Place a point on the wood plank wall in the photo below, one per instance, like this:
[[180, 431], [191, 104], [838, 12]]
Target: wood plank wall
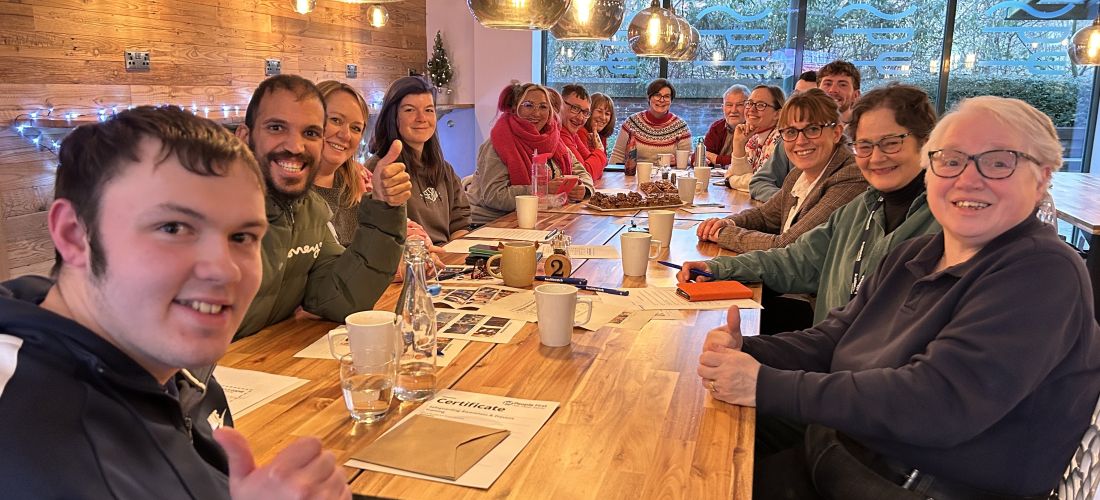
[[68, 55]]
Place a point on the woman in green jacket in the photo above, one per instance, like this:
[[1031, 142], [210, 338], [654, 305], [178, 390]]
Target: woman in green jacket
[[889, 126]]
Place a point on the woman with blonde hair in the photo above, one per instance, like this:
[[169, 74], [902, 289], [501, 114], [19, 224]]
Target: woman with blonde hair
[[340, 177]]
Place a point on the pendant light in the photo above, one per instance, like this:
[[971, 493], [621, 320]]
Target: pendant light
[[1084, 49], [652, 32], [687, 44], [590, 20], [377, 16], [304, 7], [518, 14]]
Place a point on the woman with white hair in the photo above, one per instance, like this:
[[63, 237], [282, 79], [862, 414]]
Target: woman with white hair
[[966, 366]]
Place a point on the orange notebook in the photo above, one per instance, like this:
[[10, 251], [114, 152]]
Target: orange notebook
[[713, 290]]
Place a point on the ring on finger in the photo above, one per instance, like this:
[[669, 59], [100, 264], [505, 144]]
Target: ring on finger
[[710, 385]]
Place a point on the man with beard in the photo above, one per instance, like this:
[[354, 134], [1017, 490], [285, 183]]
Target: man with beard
[[302, 262], [839, 80]]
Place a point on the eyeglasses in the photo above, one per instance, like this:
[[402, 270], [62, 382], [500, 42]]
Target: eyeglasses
[[890, 144], [529, 106], [661, 97], [577, 110], [758, 105], [993, 164], [812, 131]]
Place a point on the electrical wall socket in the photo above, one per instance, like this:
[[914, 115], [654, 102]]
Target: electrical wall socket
[[137, 60], [352, 71], [272, 67]]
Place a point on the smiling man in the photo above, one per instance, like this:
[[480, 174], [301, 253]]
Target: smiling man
[[154, 272], [586, 148], [719, 138], [303, 263]]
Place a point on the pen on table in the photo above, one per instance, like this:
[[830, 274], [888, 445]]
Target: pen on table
[[568, 281], [719, 205], [612, 291], [677, 266], [552, 234]]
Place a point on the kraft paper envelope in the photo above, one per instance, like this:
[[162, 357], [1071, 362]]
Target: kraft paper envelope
[[433, 446]]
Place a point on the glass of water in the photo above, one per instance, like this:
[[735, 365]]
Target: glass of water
[[367, 377]]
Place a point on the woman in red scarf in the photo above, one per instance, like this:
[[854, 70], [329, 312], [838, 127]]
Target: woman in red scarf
[[527, 124]]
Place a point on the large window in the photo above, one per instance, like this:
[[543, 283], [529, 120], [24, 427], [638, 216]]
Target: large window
[[998, 47]]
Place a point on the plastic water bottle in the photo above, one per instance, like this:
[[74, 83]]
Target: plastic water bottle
[[1047, 213], [416, 315]]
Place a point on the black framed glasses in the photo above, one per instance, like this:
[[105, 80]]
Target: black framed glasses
[[662, 97], [889, 145], [758, 105], [992, 164], [577, 110], [812, 131]]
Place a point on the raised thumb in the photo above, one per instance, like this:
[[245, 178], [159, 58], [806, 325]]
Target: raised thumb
[[733, 319], [393, 154], [239, 454]]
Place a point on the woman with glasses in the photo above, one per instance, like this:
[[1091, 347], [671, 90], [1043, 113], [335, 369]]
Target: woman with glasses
[[438, 202], [657, 130], [890, 125], [527, 125], [966, 366], [825, 178], [602, 122], [754, 140]]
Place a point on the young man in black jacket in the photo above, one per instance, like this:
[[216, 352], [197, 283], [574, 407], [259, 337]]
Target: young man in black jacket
[[154, 272]]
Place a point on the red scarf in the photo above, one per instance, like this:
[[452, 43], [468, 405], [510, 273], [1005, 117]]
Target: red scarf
[[516, 140]]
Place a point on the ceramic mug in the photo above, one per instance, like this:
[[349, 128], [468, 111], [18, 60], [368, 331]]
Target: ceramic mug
[[516, 262]]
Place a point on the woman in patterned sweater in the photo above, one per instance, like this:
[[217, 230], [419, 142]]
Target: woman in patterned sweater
[[657, 130]]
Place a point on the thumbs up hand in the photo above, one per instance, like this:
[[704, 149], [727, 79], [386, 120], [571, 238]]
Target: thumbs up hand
[[301, 470], [392, 183]]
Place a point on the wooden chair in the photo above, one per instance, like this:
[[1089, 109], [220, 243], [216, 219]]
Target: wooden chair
[[1083, 473]]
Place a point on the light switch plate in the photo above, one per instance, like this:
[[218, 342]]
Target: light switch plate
[[272, 67], [352, 71], [137, 60]]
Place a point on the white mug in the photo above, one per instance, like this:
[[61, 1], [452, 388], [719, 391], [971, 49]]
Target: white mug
[[557, 312], [645, 172], [686, 186], [702, 177], [683, 158], [365, 330], [660, 226], [527, 210], [637, 250], [664, 159]]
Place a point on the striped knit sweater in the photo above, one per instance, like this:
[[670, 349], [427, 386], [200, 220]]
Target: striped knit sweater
[[651, 137]]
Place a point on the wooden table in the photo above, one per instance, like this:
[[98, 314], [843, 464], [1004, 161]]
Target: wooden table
[[1077, 198], [634, 421]]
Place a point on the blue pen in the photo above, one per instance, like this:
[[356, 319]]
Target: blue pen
[[568, 281], [693, 271], [602, 289]]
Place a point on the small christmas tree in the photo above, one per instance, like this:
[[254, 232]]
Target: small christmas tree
[[439, 67]]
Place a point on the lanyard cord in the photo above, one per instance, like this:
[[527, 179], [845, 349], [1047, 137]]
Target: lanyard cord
[[857, 276]]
